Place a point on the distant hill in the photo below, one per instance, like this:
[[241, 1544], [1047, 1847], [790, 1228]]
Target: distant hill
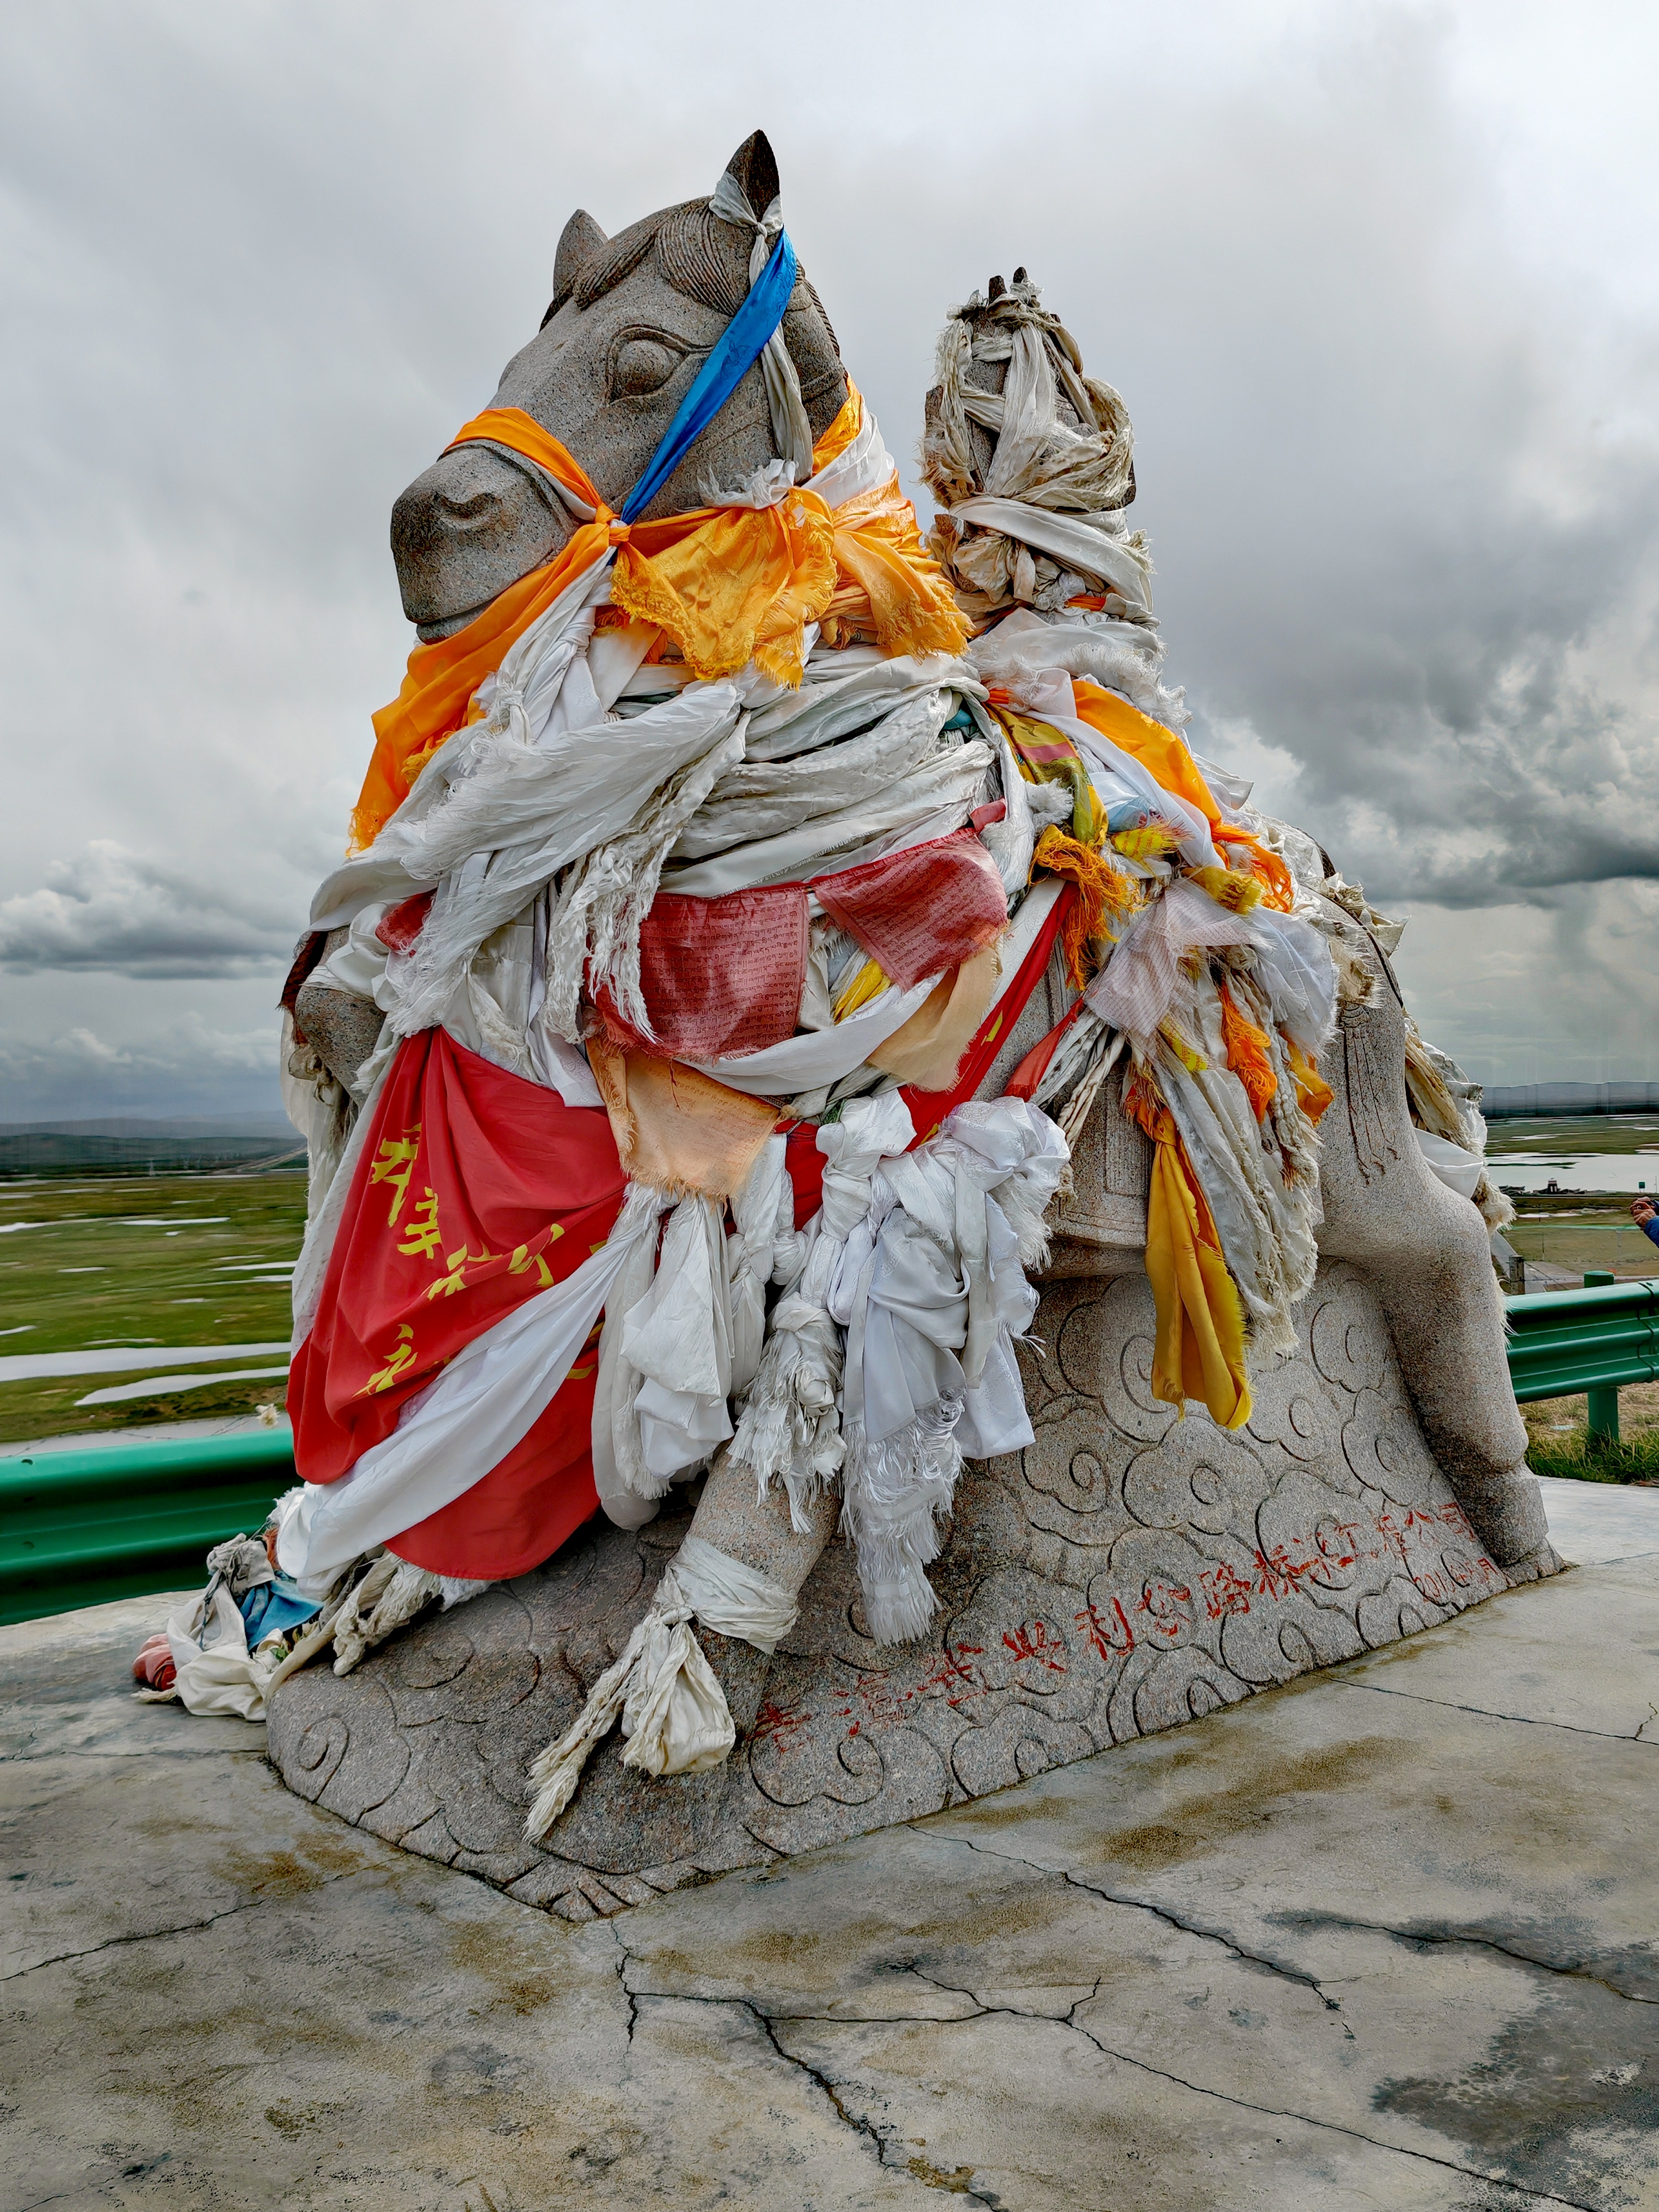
[[132, 1144], [192, 1127]]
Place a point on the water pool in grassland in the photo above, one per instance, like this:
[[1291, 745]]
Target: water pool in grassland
[[142, 1260], [1572, 1133], [1630, 1172]]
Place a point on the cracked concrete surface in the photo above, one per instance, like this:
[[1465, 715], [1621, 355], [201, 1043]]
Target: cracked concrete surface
[[1384, 1937]]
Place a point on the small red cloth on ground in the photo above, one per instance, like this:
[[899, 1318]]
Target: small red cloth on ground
[[922, 911], [475, 1190]]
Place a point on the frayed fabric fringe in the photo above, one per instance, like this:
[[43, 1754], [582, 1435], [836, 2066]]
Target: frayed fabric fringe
[[389, 1594], [789, 1430], [894, 1494], [664, 1692]]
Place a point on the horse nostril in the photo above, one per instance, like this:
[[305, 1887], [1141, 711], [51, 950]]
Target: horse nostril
[[479, 509]]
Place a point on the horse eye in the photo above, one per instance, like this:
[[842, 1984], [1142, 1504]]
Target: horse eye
[[642, 365]]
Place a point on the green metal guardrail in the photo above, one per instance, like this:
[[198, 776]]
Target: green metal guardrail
[[122, 1520], [77, 1528], [1594, 1339]]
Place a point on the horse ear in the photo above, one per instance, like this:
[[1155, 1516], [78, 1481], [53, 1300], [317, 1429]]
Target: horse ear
[[754, 166], [579, 242]]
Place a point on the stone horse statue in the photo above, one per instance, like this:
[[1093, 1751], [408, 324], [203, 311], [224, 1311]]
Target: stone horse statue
[[1132, 1568]]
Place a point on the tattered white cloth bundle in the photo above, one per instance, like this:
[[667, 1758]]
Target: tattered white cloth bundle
[[931, 1289], [672, 1710], [1039, 522]]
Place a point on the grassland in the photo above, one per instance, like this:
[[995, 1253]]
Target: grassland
[[1556, 1443], [1573, 1132], [161, 1260], [1594, 1237]]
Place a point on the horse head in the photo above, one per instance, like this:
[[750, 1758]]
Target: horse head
[[631, 321]]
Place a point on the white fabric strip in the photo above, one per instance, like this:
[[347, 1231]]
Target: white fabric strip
[[820, 846], [311, 1268], [820, 1056], [1063, 537], [835, 700], [733, 1598]]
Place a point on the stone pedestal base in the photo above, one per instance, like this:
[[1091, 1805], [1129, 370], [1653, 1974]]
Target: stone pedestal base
[[1126, 1573]]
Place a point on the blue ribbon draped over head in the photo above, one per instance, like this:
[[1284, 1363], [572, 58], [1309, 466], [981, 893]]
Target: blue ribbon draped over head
[[739, 346]]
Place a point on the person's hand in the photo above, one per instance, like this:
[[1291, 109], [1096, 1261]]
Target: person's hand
[[1643, 1210]]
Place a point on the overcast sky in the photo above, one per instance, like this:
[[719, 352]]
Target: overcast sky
[[1378, 282]]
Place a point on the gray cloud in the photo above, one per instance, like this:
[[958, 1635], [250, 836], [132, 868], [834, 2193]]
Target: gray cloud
[[1377, 300], [187, 1067], [110, 909]]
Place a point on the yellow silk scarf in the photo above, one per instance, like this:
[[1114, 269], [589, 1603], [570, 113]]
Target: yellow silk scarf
[[727, 585], [1199, 1347]]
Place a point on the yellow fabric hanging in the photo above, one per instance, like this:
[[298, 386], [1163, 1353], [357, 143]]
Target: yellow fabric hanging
[[888, 585], [1101, 890], [1198, 1349], [886, 582]]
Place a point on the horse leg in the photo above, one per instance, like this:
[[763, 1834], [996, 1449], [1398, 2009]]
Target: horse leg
[[755, 1526], [341, 1028], [1427, 1254]]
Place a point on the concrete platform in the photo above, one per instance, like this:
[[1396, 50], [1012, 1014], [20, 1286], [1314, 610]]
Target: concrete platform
[[1385, 1937]]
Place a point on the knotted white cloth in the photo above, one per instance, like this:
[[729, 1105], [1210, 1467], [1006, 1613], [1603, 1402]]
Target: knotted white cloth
[[667, 1697], [932, 1288], [790, 427], [790, 1430]]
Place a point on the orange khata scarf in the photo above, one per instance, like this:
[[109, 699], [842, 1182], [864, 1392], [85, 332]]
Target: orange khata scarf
[[725, 585], [1165, 757]]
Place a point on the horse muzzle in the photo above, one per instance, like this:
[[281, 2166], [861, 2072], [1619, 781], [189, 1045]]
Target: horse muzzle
[[464, 531]]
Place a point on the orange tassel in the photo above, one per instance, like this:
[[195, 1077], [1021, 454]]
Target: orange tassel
[[1101, 890], [1277, 889], [1246, 1055]]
